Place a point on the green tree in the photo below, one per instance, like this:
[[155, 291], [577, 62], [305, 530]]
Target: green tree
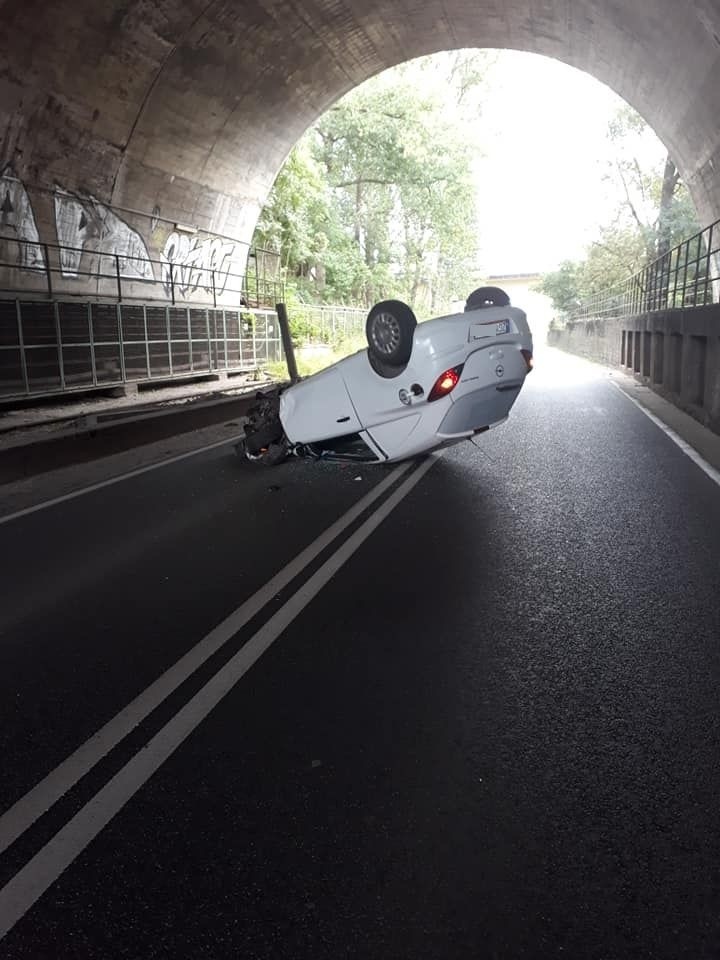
[[563, 286], [401, 177], [295, 220], [656, 213], [656, 205], [377, 199]]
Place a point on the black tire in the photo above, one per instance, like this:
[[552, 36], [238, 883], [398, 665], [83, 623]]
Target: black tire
[[275, 454], [487, 297], [259, 440], [270, 456], [389, 329], [385, 370]]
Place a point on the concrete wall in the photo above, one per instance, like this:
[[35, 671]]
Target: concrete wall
[[676, 352], [185, 110], [152, 250]]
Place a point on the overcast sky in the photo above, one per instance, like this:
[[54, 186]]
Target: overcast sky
[[541, 189]]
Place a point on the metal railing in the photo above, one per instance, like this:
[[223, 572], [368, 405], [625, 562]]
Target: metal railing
[[74, 319], [333, 325], [202, 276], [686, 276], [53, 347]]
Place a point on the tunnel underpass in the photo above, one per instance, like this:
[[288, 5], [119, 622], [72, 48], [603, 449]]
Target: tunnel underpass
[[125, 120], [465, 706]]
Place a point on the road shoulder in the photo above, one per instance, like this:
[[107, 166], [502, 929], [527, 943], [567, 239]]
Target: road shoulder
[[22, 494], [702, 440]]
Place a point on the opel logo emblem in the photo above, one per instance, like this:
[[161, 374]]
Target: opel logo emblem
[[499, 370]]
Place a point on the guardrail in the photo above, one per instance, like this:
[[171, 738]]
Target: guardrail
[[52, 347], [55, 347], [686, 276], [75, 319], [202, 277]]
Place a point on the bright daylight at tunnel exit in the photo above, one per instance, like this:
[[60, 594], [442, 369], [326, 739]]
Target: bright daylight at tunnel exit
[[360, 469]]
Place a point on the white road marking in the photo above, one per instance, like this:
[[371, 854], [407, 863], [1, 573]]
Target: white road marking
[[123, 476], [688, 450], [39, 873], [48, 791]]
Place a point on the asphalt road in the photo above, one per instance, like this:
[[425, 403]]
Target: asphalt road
[[483, 725]]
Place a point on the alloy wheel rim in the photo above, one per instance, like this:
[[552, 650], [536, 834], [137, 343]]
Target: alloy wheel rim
[[385, 334]]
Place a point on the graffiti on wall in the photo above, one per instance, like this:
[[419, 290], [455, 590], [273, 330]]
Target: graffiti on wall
[[85, 225], [17, 222], [89, 229], [191, 263]]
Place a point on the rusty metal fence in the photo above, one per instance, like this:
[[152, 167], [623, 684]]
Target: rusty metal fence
[[59, 346], [686, 276]]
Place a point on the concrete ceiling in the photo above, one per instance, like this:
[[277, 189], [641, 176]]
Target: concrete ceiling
[[191, 107]]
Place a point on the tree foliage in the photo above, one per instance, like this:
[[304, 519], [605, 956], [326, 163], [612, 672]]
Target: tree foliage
[[655, 214], [377, 200]]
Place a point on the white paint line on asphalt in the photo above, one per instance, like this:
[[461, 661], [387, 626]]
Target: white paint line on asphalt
[[48, 791], [123, 476], [39, 873], [688, 450]]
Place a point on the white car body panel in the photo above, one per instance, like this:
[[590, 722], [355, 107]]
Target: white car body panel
[[351, 397], [319, 407]]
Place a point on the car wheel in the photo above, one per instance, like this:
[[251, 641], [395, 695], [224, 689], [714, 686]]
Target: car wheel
[[390, 327], [487, 297], [269, 456], [275, 454], [257, 440]]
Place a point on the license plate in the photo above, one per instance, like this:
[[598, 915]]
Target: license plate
[[481, 331]]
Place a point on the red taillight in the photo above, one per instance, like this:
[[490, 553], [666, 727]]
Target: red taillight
[[445, 383], [528, 359]]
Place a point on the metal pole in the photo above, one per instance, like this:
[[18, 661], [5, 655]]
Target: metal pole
[[287, 342], [58, 338], [91, 339], [189, 331], [670, 281], [48, 270], [169, 341], [147, 344], [254, 338], [172, 283], [708, 267], [209, 341], [121, 343], [212, 274], [117, 277], [685, 271], [21, 344], [225, 348]]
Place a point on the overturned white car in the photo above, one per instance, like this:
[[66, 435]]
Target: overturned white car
[[415, 388]]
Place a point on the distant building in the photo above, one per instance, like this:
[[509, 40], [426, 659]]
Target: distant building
[[519, 287]]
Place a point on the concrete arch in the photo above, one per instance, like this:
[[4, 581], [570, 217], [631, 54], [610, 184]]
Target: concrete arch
[[186, 109]]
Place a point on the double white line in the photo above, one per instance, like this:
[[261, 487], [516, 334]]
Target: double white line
[[32, 880]]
